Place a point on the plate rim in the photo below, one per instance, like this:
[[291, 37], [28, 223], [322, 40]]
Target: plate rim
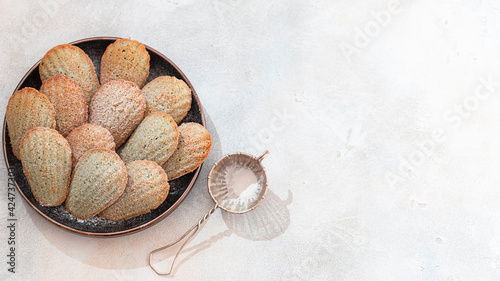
[[134, 229]]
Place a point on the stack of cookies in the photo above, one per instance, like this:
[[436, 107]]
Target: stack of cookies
[[107, 147]]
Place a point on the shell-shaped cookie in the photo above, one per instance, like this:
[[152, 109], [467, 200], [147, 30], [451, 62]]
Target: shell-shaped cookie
[[71, 61], [27, 109], [125, 59], [154, 139], [168, 94], [147, 188], [193, 148], [68, 100], [89, 136], [118, 106], [46, 160], [99, 179]]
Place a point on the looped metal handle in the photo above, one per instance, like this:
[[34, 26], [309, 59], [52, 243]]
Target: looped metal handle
[[261, 157], [190, 233]]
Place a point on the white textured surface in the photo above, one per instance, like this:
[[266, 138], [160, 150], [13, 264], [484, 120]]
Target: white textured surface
[[384, 137]]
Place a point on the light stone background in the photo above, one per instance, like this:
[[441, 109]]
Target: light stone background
[[381, 118]]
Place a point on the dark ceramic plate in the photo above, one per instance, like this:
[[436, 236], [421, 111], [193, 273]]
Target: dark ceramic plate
[[97, 226]]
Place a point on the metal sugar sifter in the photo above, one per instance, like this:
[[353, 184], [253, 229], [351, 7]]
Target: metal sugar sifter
[[237, 184]]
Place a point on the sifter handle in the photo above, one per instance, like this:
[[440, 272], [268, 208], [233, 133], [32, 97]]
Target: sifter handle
[[191, 232], [260, 158]]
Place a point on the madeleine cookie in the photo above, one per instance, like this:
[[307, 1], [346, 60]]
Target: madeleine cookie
[[154, 139], [193, 148], [147, 188], [69, 102], [98, 181], [89, 136], [118, 106], [27, 109], [71, 61], [46, 160], [168, 94], [125, 59]]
